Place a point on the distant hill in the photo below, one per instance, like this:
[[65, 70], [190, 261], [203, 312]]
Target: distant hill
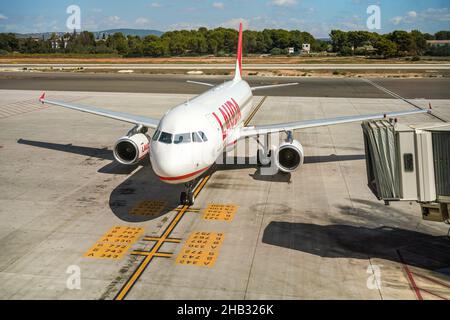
[[97, 34]]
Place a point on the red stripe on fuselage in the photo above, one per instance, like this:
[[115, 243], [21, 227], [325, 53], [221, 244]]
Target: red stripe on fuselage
[[227, 106], [237, 106], [225, 117], [234, 111], [230, 114], [220, 124]]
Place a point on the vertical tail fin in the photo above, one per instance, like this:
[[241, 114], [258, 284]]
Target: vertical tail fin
[[238, 71]]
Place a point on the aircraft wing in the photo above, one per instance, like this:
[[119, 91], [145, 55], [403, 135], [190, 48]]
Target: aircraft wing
[[126, 117], [271, 86], [264, 129], [200, 83]]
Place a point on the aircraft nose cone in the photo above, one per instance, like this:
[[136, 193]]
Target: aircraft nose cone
[[161, 166]]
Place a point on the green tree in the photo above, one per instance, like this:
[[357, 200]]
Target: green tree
[[386, 47], [339, 40], [419, 42], [404, 42], [118, 42], [9, 42], [442, 35]]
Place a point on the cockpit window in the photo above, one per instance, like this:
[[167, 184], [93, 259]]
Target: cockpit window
[[156, 135], [165, 138], [196, 137], [182, 138], [202, 134]]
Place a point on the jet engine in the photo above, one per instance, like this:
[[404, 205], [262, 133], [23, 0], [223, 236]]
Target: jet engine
[[131, 149], [289, 156]]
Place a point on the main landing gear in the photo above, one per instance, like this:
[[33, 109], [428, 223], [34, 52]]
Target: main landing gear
[[187, 197], [264, 153]]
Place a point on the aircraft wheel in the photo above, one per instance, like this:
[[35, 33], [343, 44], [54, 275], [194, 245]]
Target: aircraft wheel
[[183, 198], [191, 199], [187, 199]]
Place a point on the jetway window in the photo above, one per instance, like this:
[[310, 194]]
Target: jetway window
[[408, 160], [165, 138], [182, 138]]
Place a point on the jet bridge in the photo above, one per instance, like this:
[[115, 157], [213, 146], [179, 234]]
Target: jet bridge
[[410, 163]]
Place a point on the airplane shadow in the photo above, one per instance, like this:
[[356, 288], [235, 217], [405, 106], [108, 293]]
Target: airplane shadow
[[345, 241], [99, 153], [144, 185]]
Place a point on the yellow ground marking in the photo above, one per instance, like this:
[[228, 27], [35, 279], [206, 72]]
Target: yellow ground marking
[[149, 257], [158, 254], [107, 251], [157, 239], [148, 208], [137, 273], [114, 243], [201, 249], [219, 212], [189, 210]]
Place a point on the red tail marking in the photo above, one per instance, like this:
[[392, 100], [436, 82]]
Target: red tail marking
[[239, 49]]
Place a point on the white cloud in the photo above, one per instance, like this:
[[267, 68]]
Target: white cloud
[[3, 17], [141, 22], [114, 19], [428, 15], [396, 20], [234, 23], [218, 5], [284, 3], [432, 14], [354, 22], [155, 5], [187, 26]]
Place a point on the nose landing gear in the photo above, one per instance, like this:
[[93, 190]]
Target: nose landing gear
[[187, 197]]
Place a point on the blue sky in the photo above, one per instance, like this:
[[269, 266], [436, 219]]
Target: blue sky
[[315, 16]]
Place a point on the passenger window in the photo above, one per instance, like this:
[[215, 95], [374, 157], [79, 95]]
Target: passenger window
[[196, 137], [156, 135], [182, 138], [165, 138], [203, 136]]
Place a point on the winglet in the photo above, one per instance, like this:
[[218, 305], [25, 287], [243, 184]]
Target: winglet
[[42, 97], [238, 72]]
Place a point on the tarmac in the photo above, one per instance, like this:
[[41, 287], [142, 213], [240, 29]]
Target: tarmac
[[412, 88], [77, 225]]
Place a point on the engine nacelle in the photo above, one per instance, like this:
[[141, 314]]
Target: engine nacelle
[[289, 156], [130, 150]]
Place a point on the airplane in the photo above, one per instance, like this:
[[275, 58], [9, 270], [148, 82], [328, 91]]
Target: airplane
[[191, 136]]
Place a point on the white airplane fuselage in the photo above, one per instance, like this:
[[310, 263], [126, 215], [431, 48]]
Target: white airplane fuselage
[[216, 115]]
